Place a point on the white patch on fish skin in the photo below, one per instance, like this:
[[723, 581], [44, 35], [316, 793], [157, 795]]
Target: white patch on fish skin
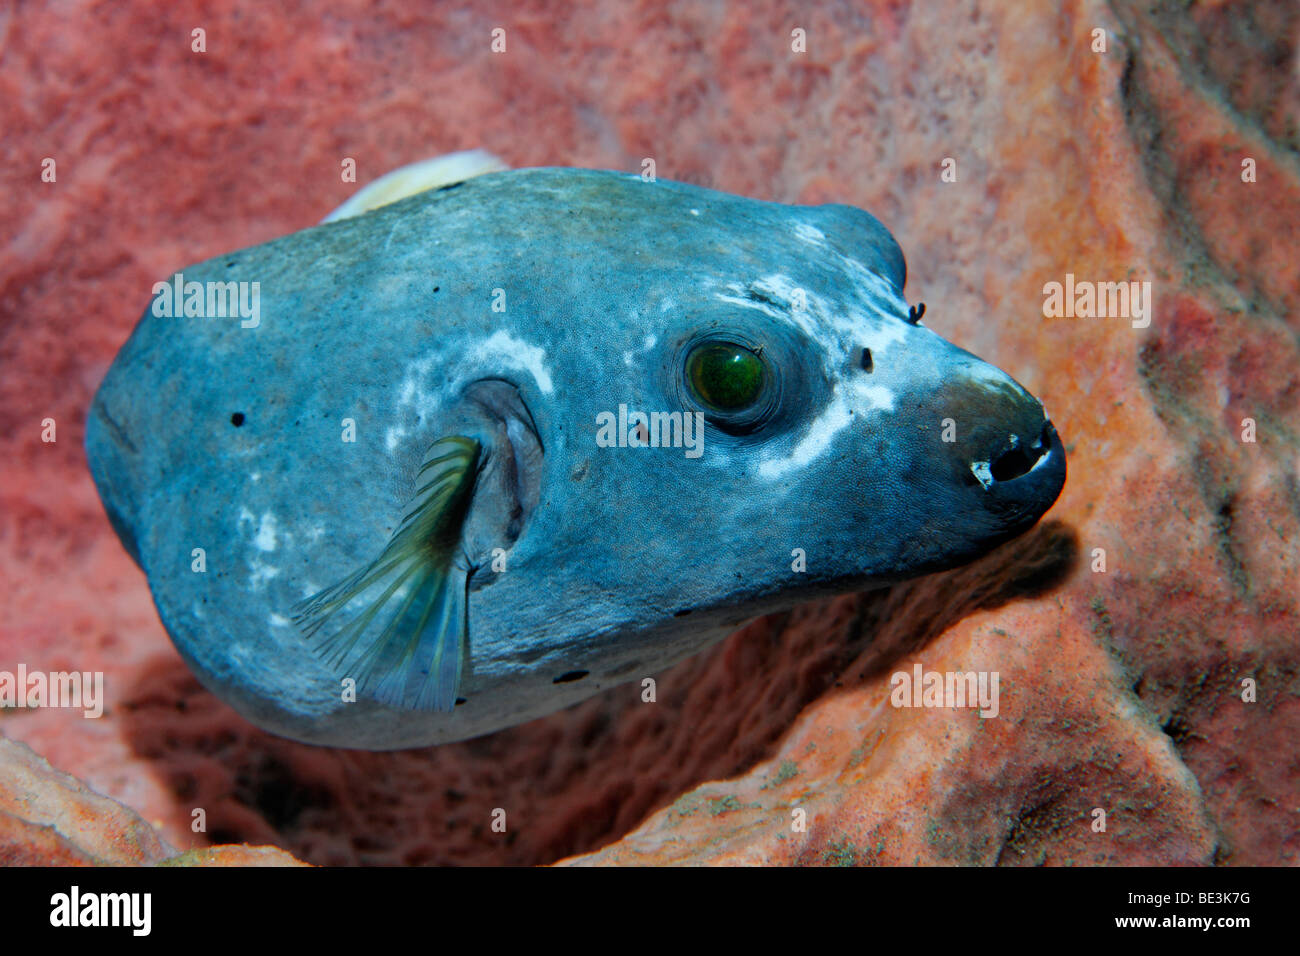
[[420, 397], [859, 324], [872, 319], [276, 620], [871, 285], [816, 440], [260, 573], [239, 653], [840, 331], [265, 539], [411, 395], [983, 473], [751, 304], [505, 348], [695, 212], [649, 343], [876, 396], [836, 416], [810, 234]]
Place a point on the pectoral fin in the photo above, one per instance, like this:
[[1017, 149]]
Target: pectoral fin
[[399, 625]]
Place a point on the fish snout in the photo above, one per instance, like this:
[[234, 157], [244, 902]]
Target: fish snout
[[1004, 449], [1026, 476]]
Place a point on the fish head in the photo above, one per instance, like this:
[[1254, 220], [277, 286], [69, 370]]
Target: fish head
[[829, 442]]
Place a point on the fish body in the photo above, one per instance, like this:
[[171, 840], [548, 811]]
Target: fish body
[[499, 363]]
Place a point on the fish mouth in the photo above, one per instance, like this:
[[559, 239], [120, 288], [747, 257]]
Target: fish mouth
[[1019, 459], [1025, 478]]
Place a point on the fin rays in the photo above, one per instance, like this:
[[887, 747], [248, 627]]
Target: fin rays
[[416, 658]]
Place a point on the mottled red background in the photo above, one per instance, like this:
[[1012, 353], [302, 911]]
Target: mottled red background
[[1120, 690]]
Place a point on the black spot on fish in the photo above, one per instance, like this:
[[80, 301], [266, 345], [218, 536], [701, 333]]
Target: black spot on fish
[[449, 187], [237, 419], [867, 364], [568, 676]]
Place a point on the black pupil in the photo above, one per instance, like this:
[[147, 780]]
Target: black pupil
[[726, 376]]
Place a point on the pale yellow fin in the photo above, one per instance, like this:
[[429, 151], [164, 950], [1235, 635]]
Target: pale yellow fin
[[398, 625], [416, 178]]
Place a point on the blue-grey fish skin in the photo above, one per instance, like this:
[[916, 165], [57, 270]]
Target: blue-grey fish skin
[[619, 561]]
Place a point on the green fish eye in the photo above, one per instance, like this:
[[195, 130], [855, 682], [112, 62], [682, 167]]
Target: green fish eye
[[725, 376]]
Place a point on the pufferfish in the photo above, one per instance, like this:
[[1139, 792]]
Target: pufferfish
[[497, 440]]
